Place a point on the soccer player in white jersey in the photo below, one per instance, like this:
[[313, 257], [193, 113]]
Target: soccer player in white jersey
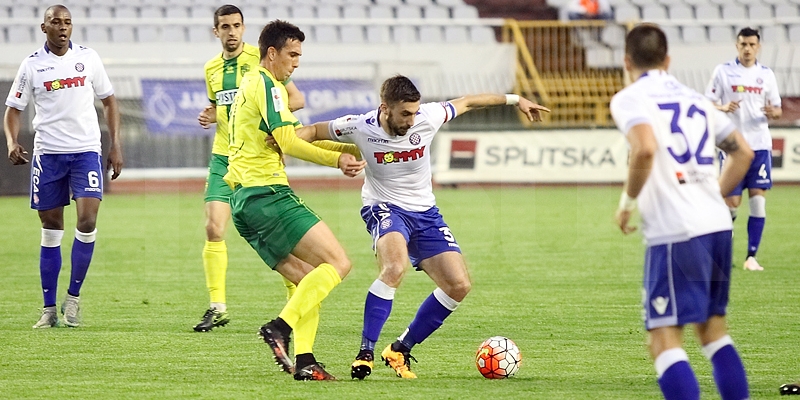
[[400, 211], [672, 131], [61, 79], [748, 92]]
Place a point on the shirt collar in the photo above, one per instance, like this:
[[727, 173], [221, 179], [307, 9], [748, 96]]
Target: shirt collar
[[47, 49]]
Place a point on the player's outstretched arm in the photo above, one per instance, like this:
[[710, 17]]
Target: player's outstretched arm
[[11, 124], [111, 111], [643, 149], [472, 102], [737, 161]]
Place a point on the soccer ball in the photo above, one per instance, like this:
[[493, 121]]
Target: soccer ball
[[498, 358]]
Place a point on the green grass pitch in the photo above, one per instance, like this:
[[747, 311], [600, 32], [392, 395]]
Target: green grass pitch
[[549, 269]]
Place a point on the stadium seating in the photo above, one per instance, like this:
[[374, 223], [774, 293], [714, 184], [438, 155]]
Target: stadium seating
[[180, 20]]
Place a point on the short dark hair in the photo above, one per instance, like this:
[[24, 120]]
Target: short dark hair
[[399, 89], [276, 34], [748, 32], [646, 45], [227, 9], [54, 8]]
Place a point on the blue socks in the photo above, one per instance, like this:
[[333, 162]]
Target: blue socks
[[729, 371], [50, 264], [675, 376], [755, 227], [430, 316], [377, 308], [82, 250]]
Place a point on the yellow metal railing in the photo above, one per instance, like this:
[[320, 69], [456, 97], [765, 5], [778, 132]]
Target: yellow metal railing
[[552, 67]]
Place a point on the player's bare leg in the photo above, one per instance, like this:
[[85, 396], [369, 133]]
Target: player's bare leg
[[675, 376], [317, 247], [392, 256]]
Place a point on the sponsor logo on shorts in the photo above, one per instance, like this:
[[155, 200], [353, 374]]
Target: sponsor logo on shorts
[[91, 189], [386, 224], [388, 157], [660, 304], [65, 83]]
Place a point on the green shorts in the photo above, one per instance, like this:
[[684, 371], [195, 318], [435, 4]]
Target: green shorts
[[272, 219], [216, 188]]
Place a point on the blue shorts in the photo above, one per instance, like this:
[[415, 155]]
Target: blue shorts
[[54, 176], [759, 176], [687, 282], [425, 232]]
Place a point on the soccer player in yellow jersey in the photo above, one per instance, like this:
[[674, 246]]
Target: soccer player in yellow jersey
[[266, 212], [223, 74]]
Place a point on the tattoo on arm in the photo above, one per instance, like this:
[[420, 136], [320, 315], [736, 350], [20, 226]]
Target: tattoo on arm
[[729, 145]]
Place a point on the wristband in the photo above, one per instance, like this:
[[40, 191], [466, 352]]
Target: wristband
[[626, 203], [512, 99]]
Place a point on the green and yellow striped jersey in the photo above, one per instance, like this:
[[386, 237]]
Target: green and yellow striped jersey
[[260, 108], [222, 81]]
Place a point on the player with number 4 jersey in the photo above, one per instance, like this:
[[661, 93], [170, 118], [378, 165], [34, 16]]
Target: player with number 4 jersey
[[748, 92], [400, 211], [672, 131]]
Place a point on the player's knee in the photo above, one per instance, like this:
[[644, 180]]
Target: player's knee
[[342, 265], [392, 273], [87, 223], [214, 231], [459, 290]]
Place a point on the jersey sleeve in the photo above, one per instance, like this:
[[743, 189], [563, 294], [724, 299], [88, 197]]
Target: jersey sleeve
[[438, 113], [629, 111], [342, 129], [100, 81], [21, 90], [773, 95], [714, 87], [212, 96], [281, 125], [722, 125]]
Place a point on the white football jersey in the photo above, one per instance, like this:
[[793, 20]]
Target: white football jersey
[[398, 167], [681, 198], [62, 90], [753, 87]]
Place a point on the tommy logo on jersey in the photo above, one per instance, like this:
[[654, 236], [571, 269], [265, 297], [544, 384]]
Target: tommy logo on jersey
[[746, 89], [65, 83], [397, 156]]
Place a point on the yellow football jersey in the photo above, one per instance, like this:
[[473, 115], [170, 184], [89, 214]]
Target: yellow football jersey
[[222, 81], [261, 108]]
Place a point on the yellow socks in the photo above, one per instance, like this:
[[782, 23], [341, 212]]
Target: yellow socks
[[306, 332], [215, 263], [290, 288], [310, 292]]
